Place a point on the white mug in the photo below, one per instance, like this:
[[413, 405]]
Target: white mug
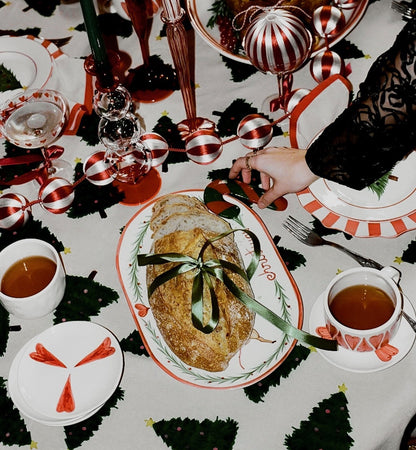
[[46, 300], [371, 339]]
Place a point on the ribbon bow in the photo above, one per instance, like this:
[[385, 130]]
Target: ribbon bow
[[40, 174], [214, 268]]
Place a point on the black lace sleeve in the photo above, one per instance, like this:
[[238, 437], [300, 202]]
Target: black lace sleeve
[[379, 127]]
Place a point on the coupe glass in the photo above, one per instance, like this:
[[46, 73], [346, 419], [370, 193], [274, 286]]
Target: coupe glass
[[36, 119]]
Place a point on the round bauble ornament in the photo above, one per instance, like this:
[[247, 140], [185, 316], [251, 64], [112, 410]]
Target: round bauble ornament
[[14, 212], [347, 4], [326, 64], [295, 97], [255, 131], [277, 41], [56, 195], [328, 20], [203, 146], [97, 169], [157, 145]]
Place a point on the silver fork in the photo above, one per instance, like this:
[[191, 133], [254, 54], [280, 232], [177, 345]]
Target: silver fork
[[404, 8], [309, 237]]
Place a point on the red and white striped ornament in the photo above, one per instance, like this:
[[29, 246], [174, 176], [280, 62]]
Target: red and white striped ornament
[[56, 195], [325, 64], [203, 146], [277, 41], [295, 97], [328, 20], [255, 131], [98, 170], [14, 212], [347, 4], [158, 147]]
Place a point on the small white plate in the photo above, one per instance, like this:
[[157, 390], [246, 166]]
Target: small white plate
[[362, 213], [364, 362], [199, 14], [272, 285], [26, 409], [35, 387], [29, 60]]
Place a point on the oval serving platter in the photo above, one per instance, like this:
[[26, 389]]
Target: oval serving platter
[[272, 284], [199, 14]]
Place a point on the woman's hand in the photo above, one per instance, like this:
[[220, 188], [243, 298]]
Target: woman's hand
[[282, 170]]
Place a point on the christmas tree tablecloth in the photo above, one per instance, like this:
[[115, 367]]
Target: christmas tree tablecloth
[[306, 403]]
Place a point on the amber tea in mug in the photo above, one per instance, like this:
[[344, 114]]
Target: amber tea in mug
[[362, 309], [32, 278], [28, 276], [362, 306]]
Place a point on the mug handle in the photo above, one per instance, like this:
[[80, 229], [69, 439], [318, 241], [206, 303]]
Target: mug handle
[[392, 273]]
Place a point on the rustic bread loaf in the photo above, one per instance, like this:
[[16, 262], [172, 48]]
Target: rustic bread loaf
[[171, 302]]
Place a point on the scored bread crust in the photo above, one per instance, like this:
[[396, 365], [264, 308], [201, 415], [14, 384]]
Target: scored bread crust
[[171, 302]]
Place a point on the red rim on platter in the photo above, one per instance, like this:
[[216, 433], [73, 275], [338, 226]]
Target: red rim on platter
[[272, 285], [199, 14]]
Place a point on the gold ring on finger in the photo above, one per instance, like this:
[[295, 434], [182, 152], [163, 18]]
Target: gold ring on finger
[[248, 166]]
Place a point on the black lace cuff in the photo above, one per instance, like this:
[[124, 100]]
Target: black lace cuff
[[379, 128]]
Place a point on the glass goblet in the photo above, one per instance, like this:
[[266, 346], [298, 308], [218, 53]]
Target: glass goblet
[[130, 163], [114, 104], [115, 134], [133, 173]]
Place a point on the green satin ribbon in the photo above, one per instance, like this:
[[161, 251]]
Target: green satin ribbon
[[214, 268]]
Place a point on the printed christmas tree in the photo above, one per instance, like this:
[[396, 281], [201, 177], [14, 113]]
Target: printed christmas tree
[[327, 426], [133, 343], [182, 434], [12, 429], [8, 80], [80, 432], [82, 299]]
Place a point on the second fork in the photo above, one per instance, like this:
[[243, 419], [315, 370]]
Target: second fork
[[309, 237]]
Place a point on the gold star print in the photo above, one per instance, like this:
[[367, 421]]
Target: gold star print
[[367, 57], [398, 259], [342, 388], [33, 444], [339, 271], [285, 134], [67, 250], [78, 160], [312, 349], [149, 422], [165, 113], [71, 29], [158, 38], [197, 85]]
